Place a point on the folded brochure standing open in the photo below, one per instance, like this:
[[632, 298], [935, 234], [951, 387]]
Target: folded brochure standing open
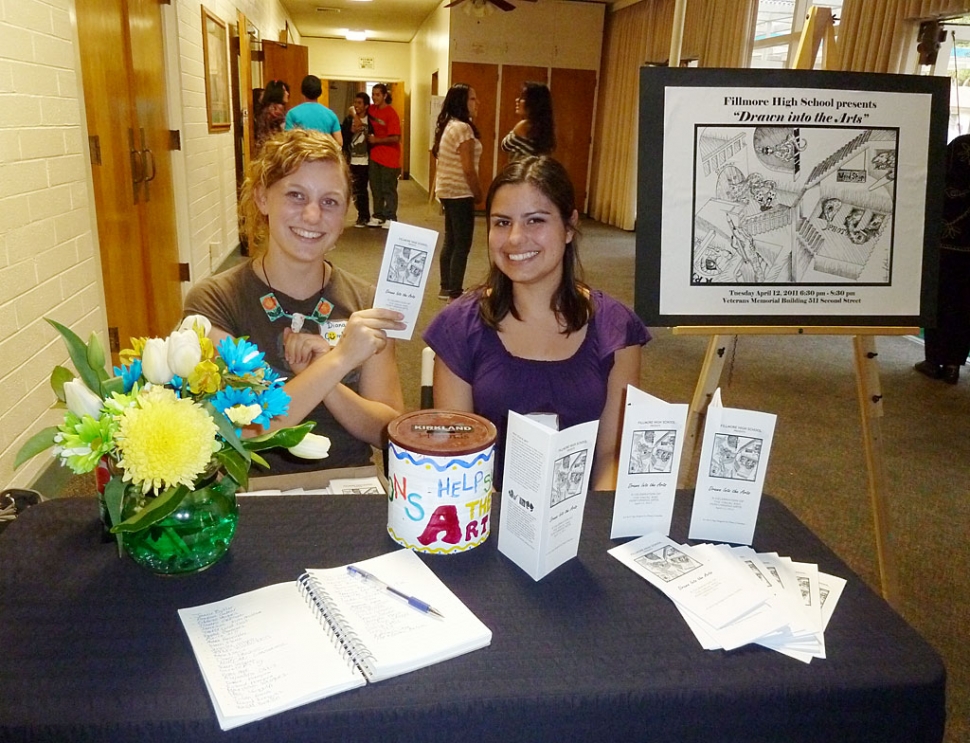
[[284, 645]]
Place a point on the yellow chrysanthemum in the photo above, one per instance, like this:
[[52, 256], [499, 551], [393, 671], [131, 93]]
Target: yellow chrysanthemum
[[165, 441]]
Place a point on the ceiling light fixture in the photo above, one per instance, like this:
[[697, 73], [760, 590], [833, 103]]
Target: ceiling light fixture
[[355, 35]]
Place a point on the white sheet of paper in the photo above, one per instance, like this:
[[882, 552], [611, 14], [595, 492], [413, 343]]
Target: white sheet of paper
[[356, 485], [544, 488], [731, 475], [650, 448], [408, 255], [689, 579]]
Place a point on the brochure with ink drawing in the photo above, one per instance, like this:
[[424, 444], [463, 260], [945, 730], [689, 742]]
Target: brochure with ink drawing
[[544, 487], [731, 474], [651, 443], [407, 262]]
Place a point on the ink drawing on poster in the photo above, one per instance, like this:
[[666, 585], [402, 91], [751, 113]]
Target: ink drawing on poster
[[544, 486], [651, 443], [731, 474], [788, 198], [407, 262]]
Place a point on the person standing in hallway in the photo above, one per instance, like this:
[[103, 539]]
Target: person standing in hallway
[[312, 114], [535, 133], [948, 344], [272, 111], [355, 129], [385, 156], [458, 150]]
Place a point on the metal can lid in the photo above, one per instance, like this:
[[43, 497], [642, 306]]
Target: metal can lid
[[442, 432]]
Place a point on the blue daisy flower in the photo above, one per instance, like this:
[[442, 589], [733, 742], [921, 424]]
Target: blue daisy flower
[[274, 401], [230, 396], [129, 374], [241, 356]]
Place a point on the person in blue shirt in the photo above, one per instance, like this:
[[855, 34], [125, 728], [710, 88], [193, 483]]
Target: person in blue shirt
[[313, 114]]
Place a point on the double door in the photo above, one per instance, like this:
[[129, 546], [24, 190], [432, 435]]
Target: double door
[[573, 98], [123, 79]]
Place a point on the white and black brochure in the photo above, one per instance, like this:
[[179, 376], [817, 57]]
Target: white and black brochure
[[651, 443], [544, 486], [407, 263], [731, 474]]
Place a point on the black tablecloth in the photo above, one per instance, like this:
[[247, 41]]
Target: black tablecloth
[[91, 647]]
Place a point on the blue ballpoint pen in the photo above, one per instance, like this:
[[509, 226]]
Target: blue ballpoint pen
[[378, 583]]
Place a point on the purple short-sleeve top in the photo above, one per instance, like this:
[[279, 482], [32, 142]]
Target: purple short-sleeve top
[[574, 388]]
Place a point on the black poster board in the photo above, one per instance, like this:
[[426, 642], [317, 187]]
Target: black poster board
[[788, 197]]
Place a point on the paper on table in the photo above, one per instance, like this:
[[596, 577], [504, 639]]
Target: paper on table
[[650, 448], [690, 579], [356, 486], [407, 263], [731, 477]]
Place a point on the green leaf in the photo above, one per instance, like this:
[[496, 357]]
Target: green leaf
[[78, 352], [59, 377], [283, 438], [43, 439], [225, 429], [114, 500], [157, 509], [260, 461], [236, 467], [114, 384]]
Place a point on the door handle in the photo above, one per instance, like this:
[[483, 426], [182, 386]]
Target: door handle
[[147, 163], [137, 164]]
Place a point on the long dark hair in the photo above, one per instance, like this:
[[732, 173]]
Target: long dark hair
[[274, 92], [455, 106], [537, 101], [571, 302]]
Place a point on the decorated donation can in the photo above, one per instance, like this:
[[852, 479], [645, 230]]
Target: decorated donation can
[[440, 475]]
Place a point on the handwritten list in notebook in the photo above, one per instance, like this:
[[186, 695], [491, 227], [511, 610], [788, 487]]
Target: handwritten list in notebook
[[284, 645]]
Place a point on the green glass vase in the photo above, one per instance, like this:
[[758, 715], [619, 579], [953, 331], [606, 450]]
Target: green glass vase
[[190, 539]]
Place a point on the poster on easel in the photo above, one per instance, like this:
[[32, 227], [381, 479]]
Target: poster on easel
[[788, 197]]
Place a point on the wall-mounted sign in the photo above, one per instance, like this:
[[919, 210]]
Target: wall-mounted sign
[[366, 63]]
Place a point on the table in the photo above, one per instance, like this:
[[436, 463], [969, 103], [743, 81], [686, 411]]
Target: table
[[91, 647]]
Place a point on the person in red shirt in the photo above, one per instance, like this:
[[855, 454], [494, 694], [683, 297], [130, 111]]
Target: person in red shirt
[[385, 157]]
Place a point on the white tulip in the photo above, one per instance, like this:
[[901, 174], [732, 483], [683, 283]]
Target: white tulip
[[184, 352], [82, 401], [154, 361], [189, 323], [313, 446]]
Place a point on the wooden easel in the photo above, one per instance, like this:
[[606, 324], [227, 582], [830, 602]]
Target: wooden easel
[[818, 29]]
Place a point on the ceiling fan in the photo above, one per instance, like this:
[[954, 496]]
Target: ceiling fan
[[480, 7]]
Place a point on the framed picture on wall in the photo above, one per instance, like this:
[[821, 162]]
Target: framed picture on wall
[[788, 197], [215, 54]]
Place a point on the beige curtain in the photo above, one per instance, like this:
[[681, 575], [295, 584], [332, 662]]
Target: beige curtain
[[879, 35], [717, 33]]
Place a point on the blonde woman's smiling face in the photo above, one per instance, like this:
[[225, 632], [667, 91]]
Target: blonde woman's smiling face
[[306, 211]]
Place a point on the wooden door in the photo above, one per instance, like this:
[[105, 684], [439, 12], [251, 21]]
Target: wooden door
[[287, 62], [573, 96], [136, 262], [513, 78], [484, 79], [159, 236]]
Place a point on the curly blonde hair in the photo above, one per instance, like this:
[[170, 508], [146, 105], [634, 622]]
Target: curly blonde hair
[[280, 156]]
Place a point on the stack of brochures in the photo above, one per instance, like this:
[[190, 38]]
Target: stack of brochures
[[734, 596], [346, 486]]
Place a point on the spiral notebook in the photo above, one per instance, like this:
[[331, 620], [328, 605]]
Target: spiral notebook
[[284, 645]]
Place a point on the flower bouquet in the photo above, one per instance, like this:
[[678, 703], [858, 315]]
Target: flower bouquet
[[164, 433]]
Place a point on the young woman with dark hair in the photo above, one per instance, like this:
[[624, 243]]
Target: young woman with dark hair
[[535, 133], [534, 338], [458, 150]]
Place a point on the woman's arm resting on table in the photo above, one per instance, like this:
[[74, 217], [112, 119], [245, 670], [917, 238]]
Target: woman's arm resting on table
[[451, 392], [364, 344], [626, 370]]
